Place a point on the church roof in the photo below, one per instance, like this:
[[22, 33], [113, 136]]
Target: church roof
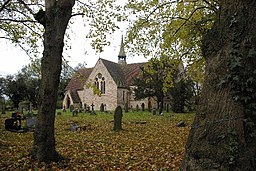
[[78, 79], [132, 71], [116, 72]]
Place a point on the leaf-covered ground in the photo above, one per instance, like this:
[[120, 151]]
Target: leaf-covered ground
[[156, 145]]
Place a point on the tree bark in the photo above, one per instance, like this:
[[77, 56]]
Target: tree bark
[[55, 22], [222, 136]]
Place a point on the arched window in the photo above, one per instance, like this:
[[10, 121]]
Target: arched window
[[100, 83]]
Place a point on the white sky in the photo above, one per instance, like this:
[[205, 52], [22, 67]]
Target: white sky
[[12, 58]]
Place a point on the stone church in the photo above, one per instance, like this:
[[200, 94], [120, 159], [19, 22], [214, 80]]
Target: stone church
[[107, 84]]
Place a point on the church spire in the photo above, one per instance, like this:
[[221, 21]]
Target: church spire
[[122, 55]]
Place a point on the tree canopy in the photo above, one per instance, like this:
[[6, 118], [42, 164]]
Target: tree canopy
[[19, 26], [171, 28]]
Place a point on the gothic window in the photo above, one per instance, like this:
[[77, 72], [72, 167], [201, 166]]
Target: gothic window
[[97, 83], [100, 83]]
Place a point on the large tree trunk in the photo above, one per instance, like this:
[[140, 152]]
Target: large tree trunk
[[222, 136], [55, 22]]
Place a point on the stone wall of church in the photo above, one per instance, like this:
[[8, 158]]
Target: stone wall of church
[[122, 97], [109, 99]]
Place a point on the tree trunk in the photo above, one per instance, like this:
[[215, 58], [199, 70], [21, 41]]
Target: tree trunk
[[55, 22], [222, 136]]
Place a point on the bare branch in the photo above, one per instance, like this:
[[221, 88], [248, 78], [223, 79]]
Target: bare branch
[[73, 15], [17, 21], [7, 38]]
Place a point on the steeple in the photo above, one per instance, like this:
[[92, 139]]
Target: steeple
[[122, 55]]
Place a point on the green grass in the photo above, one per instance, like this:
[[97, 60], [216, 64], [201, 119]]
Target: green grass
[[156, 145]]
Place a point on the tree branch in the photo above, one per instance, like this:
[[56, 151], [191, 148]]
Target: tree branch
[[160, 6], [73, 15], [27, 7], [4, 5], [187, 19], [208, 3], [17, 21]]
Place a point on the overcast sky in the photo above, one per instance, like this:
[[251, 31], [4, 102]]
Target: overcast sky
[[13, 58]]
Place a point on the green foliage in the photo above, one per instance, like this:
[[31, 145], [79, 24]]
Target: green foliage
[[233, 147], [181, 93], [156, 78], [18, 25], [15, 89], [170, 28]]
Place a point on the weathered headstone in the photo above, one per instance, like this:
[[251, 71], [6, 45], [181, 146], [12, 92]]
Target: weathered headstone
[[92, 105], [143, 107], [31, 122], [137, 108], [160, 108], [102, 107], [30, 107], [154, 111], [75, 112], [126, 108], [118, 118], [93, 112], [149, 106]]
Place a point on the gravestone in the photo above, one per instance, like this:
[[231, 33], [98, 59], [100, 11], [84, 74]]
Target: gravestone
[[31, 122], [102, 107], [154, 111], [143, 107], [126, 108], [160, 108], [75, 112], [118, 118], [137, 108], [93, 112]]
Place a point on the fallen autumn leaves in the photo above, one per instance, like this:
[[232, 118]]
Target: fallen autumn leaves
[[156, 145]]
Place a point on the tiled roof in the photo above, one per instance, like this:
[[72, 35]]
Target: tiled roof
[[116, 72], [132, 71], [78, 80]]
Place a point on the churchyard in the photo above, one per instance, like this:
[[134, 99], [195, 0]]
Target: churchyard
[[146, 142]]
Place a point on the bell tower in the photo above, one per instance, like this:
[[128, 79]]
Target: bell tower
[[122, 55]]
